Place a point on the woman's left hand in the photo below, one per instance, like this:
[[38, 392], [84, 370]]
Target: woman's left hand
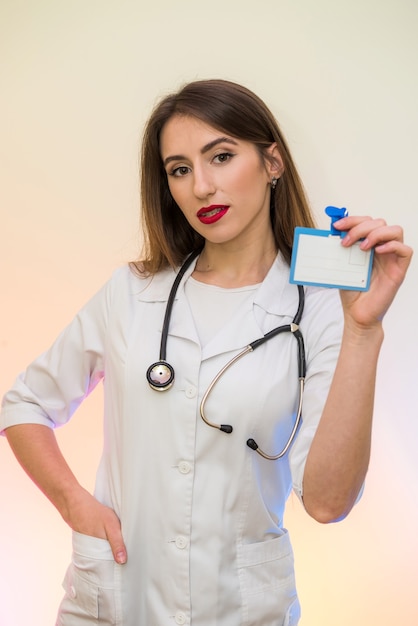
[[391, 260]]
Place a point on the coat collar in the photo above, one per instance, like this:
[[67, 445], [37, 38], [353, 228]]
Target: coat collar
[[274, 298]]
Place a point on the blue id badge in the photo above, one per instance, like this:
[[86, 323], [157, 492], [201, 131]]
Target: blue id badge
[[319, 259]]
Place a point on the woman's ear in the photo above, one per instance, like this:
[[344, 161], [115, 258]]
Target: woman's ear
[[274, 161]]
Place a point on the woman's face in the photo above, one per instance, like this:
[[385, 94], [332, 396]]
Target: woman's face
[[221, 184]]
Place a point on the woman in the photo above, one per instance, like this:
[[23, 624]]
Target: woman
[[186, 523]]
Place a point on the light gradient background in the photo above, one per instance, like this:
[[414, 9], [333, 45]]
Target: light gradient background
[[78, 80]]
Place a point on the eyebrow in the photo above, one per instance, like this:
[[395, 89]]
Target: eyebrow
[[206, 148]]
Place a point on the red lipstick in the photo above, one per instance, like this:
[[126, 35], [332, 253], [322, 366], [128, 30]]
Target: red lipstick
[[211, 214]]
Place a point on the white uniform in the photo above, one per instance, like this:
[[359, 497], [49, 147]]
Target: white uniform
[[201, 513]]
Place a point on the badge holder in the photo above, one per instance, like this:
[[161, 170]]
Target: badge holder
[[319, 259]]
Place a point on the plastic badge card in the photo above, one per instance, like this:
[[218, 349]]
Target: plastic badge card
[[319, 259]]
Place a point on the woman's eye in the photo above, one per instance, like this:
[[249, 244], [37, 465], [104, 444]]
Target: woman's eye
[[223, 157], [182, 170]]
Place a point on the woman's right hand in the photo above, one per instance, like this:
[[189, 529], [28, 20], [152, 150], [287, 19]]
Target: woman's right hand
[[88, 516], [36, 449]]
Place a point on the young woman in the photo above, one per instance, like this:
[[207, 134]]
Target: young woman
[[186, 522]]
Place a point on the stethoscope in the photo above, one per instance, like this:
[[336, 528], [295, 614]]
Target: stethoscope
[[160, 375]]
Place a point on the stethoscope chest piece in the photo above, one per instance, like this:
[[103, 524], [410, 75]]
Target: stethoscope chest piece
[[160, 376]]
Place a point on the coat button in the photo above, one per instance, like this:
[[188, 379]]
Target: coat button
[[184, 467], [191, 391], [180, 618]]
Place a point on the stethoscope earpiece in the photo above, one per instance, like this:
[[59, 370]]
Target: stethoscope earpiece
[[160, 376]]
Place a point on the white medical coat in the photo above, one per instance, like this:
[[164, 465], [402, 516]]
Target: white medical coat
[[201, 513]]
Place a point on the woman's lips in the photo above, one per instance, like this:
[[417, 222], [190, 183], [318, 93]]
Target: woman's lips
[[211, 214]]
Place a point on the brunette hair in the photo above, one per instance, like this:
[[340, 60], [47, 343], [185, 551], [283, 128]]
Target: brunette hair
[[232, 109]]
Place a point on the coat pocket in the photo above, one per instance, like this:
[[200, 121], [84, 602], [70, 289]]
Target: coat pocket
[[91, 584], [267, 582]]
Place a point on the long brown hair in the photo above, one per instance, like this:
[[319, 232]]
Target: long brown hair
[[232, 109]]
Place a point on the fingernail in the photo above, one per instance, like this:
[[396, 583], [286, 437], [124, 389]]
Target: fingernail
[[364, 244], [121, 557]]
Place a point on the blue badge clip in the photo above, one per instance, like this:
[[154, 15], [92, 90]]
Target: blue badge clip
[[336, 214]]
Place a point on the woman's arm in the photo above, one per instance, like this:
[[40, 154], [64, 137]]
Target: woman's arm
[[44, 397], [36, 449], [339, 455]]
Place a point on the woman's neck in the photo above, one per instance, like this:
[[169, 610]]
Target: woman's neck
[[228, 267]]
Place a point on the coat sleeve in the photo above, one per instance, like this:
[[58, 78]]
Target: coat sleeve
[[322, 327], [55, 384]]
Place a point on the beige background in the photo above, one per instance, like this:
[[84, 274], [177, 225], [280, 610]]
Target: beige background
[[78, 80]]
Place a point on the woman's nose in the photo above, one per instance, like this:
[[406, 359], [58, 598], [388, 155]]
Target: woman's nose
[[203, 183]]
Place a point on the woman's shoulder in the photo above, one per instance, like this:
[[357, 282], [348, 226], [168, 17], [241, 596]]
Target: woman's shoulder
[[132, 280]]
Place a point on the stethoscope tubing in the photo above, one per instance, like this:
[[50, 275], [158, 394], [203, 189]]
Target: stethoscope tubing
[[160, 375], [227, 428], [170, 302]]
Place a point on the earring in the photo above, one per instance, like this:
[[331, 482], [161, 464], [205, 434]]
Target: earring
[[274, 182]]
